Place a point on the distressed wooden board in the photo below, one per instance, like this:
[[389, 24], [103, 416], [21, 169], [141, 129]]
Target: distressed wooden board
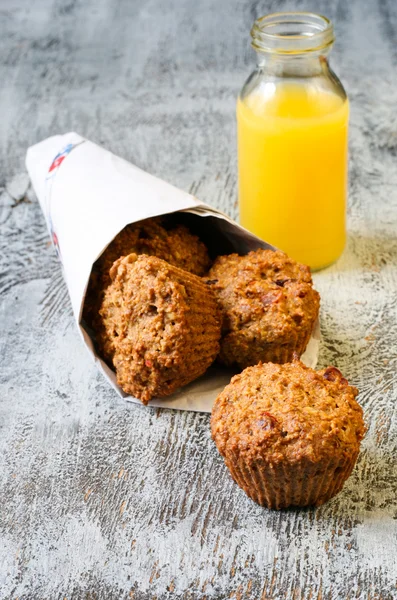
[[101, 499]]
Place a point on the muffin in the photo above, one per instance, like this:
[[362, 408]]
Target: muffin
[[161, 326], [289, 435], [268, 306], [158, 236]]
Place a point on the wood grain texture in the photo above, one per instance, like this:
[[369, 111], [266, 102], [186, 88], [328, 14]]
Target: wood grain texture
[[100, 499]]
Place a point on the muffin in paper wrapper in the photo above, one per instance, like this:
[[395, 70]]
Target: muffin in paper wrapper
[[88, 195]]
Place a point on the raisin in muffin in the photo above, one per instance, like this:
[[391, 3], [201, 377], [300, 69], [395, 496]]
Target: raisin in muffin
[[158, 236], [289, 435], [268, 306], [161, 326]]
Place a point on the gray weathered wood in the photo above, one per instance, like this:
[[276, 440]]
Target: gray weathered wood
[[101, 499]]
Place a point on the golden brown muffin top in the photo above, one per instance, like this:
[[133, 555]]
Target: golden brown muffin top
[[265, 294], [158, 236], [173, 243], [151, 311], [288, 413]]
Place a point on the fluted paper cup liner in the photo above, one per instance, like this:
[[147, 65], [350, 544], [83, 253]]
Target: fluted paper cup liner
[[88, 195], [284, 485]]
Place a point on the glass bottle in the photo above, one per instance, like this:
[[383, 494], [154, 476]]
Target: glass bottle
[[292, 122]]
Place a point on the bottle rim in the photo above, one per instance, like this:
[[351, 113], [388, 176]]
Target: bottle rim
[[292, 33]]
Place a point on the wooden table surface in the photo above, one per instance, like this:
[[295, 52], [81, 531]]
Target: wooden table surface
[[101, 499]]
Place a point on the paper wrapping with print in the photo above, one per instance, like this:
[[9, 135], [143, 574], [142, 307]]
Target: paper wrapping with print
[[88, 195]]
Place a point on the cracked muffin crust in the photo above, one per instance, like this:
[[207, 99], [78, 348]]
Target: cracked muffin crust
[[289, 435], [268, 306], [161, 326]]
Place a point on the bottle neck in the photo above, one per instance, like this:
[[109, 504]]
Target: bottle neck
[[292, 44]]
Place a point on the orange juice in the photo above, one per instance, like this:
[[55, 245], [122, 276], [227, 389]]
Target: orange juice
[[292, 155]]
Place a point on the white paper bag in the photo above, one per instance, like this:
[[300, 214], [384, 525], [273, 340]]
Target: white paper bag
[[88, 195]]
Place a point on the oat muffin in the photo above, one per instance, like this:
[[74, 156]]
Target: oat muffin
[[161, 324], [158, 236], [289, 435], [268, 306]]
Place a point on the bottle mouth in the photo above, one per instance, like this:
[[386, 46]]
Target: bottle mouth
[[292, 33]]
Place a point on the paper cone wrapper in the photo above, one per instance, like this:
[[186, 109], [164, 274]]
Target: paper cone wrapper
[[88, 195]]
